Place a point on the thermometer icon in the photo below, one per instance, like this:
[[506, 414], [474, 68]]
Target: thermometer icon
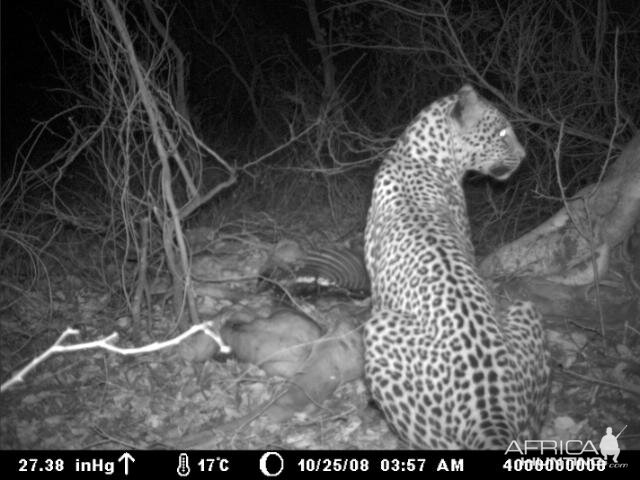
[[183, 465]]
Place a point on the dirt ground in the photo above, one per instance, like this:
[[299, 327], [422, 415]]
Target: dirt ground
[[94, 399]]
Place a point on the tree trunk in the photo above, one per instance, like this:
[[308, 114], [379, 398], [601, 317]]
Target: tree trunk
[[594, 241]]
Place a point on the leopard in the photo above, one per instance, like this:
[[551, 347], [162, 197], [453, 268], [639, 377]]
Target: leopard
[[447, 367]]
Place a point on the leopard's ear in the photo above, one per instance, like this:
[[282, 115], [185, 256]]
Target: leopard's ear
[[468, 110], [468, 93]]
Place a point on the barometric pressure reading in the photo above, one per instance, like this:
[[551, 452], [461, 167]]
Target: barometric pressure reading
[[40, 465]]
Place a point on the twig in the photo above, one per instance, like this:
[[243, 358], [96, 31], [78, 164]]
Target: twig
[[106, 344], [632, 389]]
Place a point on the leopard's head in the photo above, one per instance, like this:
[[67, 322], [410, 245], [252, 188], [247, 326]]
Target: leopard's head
[[484, 138]]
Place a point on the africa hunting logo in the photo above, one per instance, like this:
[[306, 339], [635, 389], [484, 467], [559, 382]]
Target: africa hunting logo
[[609, 444], [568, 454]]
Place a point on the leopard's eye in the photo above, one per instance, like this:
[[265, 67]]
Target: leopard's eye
[[503, 133]]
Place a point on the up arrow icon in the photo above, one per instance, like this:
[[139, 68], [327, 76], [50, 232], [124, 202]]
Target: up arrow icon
[[126, 457]]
